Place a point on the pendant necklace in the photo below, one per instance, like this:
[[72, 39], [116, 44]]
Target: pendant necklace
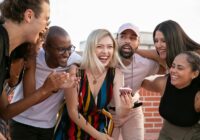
[[96, 78]]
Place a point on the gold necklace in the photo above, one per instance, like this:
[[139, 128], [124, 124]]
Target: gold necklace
[[95, 78]]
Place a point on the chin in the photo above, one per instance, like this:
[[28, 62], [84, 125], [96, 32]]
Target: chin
[[63, 64], [163, 56], [105, 64]]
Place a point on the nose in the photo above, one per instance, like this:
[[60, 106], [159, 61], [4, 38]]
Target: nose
[[158, 44], [127, 40], [172, 69], [67, 53], [105, 49]]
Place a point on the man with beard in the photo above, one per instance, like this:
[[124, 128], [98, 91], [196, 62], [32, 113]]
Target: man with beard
[[131, 127]]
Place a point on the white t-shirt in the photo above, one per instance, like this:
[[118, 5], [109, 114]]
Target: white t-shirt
[[42, 115]]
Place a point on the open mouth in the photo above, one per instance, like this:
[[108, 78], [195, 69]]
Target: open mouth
[[42, 36], [126, 48], [103, 59]]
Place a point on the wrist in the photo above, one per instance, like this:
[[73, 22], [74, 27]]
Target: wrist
[[45, 91], [98, 136]]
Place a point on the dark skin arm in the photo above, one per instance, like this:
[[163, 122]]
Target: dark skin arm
[[29, 85], [53, 82]]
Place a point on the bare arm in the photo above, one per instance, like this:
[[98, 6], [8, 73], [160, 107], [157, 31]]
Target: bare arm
[[123, 103], [155, 84], [151, 54], [53, 82], [197, 102], [29, 84]]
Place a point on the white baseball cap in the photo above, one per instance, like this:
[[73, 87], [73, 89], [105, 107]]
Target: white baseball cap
[[130, 26]]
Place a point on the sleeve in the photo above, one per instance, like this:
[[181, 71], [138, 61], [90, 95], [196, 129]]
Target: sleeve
[[75, 58]]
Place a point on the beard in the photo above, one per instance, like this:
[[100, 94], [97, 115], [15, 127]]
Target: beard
[[126, 54]]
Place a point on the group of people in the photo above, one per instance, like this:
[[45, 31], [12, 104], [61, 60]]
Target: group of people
[[96, 95]]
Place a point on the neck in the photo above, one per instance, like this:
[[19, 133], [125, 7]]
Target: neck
[[97, 76], [14, 33], [128, 61]]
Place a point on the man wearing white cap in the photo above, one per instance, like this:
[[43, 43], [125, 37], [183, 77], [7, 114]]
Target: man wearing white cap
[[138, 67]]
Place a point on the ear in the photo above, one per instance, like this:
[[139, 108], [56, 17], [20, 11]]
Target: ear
[[195, 74], [28, 15]]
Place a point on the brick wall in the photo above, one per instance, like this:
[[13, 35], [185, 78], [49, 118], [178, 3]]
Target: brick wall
[[152, 119]]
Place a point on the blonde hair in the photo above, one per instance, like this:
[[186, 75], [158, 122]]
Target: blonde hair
[[90, 60]]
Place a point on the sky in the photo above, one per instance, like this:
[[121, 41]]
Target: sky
[[80, 17]]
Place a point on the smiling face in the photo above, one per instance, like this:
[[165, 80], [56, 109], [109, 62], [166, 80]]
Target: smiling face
[[181, 72], [128, 42], [104, 50], [58, 51], [160, 44]]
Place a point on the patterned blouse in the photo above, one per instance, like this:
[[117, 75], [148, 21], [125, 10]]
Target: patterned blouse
[[92, 112]]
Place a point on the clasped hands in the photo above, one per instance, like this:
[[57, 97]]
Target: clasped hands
[[60, 80]]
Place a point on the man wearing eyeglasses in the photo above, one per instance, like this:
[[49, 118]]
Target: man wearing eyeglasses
[[37, 123]]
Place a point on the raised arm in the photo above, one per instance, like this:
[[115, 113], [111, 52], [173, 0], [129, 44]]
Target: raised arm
[[155, 83], [151, 54], [123, 103], [29, 84]]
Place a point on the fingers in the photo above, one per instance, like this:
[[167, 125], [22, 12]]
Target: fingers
[[58, 80], [71, 82], [126, 100], [55, 81], [125, 90]]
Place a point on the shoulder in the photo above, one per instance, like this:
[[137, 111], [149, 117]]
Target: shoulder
[[118, 71], [73, 69], [118, 75], [74, 58]]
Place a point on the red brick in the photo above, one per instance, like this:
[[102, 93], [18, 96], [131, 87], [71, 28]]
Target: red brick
[[156, 103], [158, 125], [147, 104], [148, 114], [153, 120], [156, 114], [152, 98], [147, 109], [148, 125], [152, 130]]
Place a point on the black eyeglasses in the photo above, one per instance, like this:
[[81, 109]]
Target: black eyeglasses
[[69, 49]]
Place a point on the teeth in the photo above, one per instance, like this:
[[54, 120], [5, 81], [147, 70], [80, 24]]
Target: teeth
[[103, 57], [174, 77]]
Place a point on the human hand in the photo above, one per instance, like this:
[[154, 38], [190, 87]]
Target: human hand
[[125, 90], [126, 97], [55, 81], [103, 136], [71, 81]]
